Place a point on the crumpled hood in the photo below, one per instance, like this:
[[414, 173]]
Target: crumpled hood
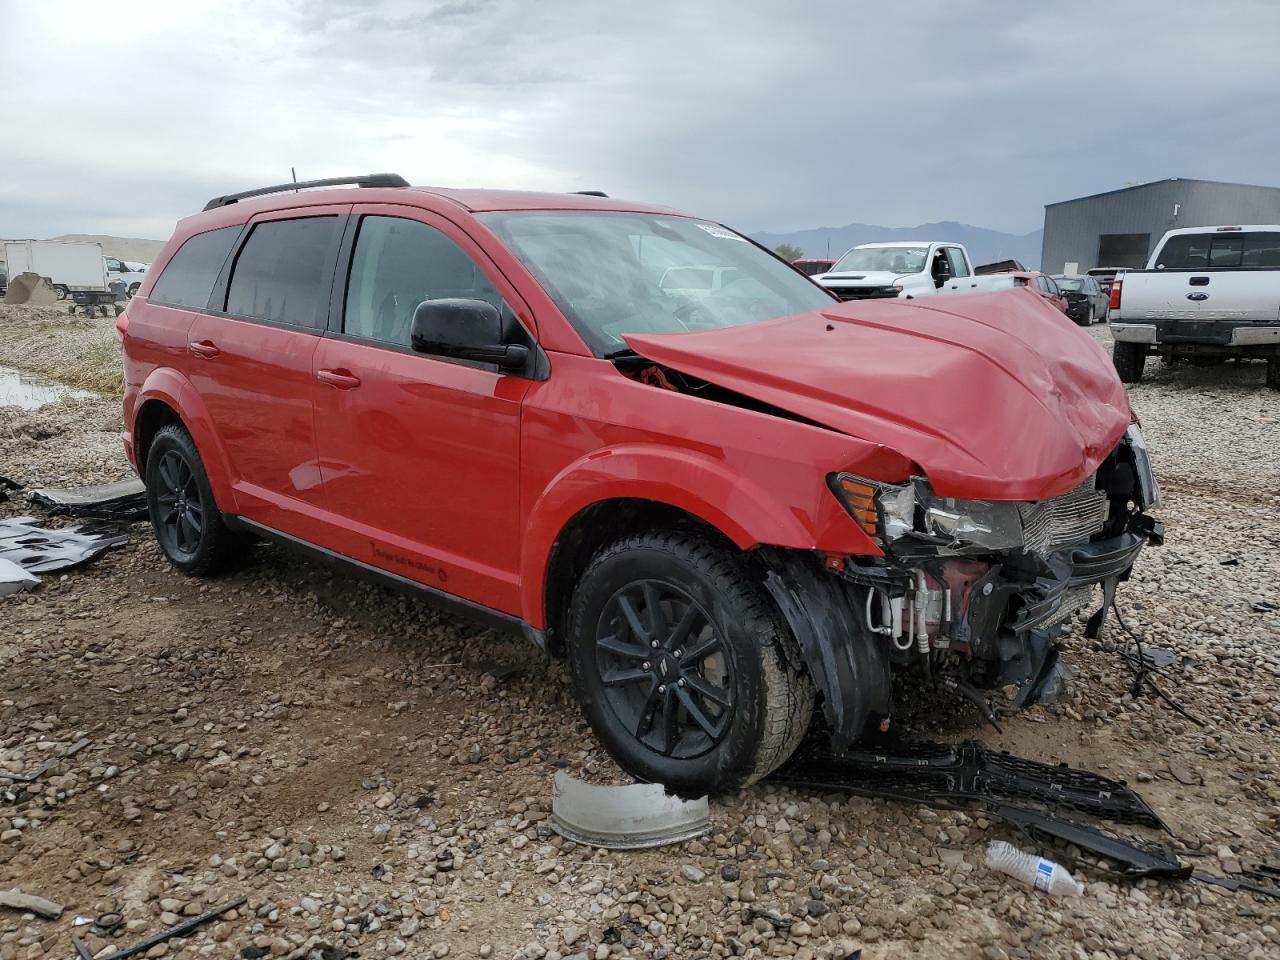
[[995, 396]]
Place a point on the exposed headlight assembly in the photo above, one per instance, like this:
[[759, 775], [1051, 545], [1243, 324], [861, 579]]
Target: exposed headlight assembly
[[1147, 484], [890, 511]]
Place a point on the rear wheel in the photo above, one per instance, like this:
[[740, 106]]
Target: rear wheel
[[1129, 359], [677, 660], [1273, 373], [188, 525]]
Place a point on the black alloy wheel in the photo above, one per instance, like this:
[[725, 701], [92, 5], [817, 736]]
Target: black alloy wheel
[[191, 531], [678, 660], [181, 518], [665, 669]]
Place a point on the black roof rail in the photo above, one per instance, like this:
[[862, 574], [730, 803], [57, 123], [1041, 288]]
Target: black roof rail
[[368, 180], [590, 193]]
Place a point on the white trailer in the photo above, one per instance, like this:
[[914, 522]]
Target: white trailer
[[75, 269]]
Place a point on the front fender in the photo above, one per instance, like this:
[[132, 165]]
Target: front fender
[[170, 387], [738, 506]]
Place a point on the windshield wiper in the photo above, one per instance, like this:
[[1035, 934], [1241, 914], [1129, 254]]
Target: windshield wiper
[[623, 353]]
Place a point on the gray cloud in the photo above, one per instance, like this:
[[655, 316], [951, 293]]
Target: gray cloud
[[764, 115]]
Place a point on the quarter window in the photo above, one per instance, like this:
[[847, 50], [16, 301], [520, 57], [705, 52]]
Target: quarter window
[[280, 272], [397, 265], [189, 276]]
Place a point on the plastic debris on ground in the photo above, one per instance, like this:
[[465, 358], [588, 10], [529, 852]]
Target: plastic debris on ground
[[123, 501], [33, 549], [625, 817]]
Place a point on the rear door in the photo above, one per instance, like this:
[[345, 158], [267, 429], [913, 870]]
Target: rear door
[[251, 362], [419, 454]]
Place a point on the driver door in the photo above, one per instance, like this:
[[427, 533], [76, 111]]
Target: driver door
[[419, 455]]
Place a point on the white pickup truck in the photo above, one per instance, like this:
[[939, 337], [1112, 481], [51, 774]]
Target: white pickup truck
[[880, 270], [1207, 293]]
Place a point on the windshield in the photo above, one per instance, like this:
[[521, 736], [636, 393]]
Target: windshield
[[903, 259], [618, 273], [1067, 283]]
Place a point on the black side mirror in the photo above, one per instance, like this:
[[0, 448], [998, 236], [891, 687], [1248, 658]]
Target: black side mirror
[[466, 330]]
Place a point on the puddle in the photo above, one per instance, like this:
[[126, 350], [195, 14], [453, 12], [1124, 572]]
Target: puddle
[[25, 390]]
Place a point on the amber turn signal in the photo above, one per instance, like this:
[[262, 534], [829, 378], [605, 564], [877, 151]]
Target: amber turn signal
[[859, 499]]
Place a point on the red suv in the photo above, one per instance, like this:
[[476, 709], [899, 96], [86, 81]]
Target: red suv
[[735, 507]]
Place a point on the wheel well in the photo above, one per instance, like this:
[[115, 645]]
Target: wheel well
[[151, 416], [594, 528]]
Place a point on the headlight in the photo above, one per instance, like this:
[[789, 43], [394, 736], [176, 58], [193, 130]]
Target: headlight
[[891, 511], [1147, 484], [981, 523]]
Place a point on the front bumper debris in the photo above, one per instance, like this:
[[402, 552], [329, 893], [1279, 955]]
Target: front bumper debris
[[626, 817]]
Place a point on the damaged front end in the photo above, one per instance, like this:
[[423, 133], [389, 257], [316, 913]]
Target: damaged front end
[[974, 594]]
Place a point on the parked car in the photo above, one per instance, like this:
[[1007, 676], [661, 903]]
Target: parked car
[[120, 272], [812, 267], [722, 510], [1041, 284], [875, 271], [1105, 276], [1208, 293], [1085, 299]]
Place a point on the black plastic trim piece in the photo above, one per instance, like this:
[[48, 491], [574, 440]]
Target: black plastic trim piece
[[847, 663], [367, 180], [371, 574]]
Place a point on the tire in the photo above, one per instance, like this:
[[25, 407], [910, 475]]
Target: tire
[[704, 701], [1273, 373], [188, 525], [1129, 359], [60, 291], [1086, 319], [133, 290]]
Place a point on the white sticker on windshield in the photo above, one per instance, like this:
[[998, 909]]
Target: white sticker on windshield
[[718, 231]]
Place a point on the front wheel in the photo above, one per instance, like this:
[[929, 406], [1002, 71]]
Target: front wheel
[[188, 525], [1129, 359], [677, 660]]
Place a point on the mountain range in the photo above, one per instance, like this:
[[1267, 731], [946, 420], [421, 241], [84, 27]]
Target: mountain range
[[983, 245]]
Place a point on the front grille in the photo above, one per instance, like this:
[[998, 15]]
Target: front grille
[[1072, 517], [863, 293]]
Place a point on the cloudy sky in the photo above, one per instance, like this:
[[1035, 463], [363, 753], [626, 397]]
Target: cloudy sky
[[121, 118]]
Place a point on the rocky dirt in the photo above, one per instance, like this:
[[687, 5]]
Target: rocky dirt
[[375, 777]]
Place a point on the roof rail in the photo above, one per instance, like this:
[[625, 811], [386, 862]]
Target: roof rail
[[590, 193], [368, 180]]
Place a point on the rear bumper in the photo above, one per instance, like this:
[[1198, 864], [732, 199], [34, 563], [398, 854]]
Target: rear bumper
[[1223, 333]]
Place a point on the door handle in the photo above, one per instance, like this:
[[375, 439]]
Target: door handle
[[1199, 281], [203, 348], [341, 378]]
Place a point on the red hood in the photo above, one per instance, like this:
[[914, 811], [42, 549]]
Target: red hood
[[996, 396]]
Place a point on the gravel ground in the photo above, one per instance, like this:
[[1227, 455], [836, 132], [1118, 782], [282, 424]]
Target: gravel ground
[[367, 773]]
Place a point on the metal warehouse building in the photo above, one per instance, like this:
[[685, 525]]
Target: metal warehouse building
[[1119, 228]]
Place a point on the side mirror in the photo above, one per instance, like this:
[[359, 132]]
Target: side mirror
[[466, 330]]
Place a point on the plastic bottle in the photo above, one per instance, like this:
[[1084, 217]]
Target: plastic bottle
[[1036, 872]]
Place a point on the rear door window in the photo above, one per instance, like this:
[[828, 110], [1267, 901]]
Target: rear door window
[[189, 276], [398, 264], [281, 272]]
